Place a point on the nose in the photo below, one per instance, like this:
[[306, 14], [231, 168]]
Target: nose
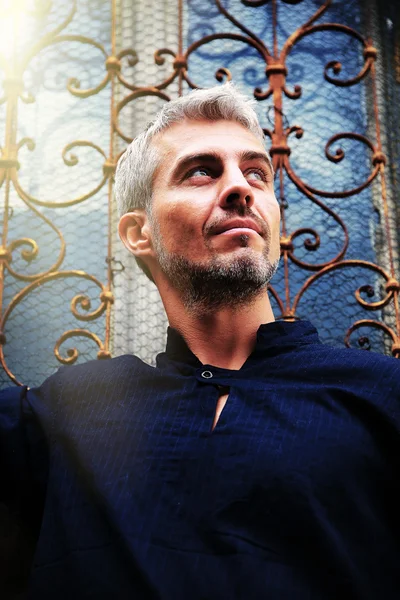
[[236, 190]]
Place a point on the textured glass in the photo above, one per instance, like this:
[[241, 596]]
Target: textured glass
[[54, 119]]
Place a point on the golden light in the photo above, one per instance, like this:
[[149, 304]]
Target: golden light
[[14, 29]]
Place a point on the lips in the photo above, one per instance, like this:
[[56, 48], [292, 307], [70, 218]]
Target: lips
[[238, 224]]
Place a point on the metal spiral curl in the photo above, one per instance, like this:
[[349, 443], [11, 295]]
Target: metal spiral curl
[[72, 353], [349, 135], [363, 341], [370, 292], [27, 255], [295, 95], [69, 160], [133, 59], [309, 244], [296, 129], [159, 55], [130, 54], [376, 159], [106, 298], [336, 67], [73, 83], [390, 284], [260, 95], [72, 159], [28, 142], [85, 304], [223, 75], [139, 93], [61, 255], [304, 188]]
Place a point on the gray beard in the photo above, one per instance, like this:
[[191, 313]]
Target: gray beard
[[217, 284], [207, 288]]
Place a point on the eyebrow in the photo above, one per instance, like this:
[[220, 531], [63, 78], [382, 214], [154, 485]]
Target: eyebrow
[[252, 155], [211, 156]]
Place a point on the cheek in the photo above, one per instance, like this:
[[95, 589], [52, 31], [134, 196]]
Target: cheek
[[179, 228], [276, 217], [273, 217], [274, 223], [277, 227]]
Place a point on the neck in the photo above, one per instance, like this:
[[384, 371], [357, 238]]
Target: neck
[[223, 338]]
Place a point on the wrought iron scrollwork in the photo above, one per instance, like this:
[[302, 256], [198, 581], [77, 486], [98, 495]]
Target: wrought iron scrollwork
[[274, 88], [29, 248], [276, 71]]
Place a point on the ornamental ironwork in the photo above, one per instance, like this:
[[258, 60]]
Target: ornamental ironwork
[[273, 94]]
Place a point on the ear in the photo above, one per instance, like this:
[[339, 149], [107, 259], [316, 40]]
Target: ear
[[134, 231]]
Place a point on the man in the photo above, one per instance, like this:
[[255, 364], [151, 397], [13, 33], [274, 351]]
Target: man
[[253, 461]]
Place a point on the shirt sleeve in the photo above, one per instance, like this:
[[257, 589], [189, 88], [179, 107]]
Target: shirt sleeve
[[23, 475]]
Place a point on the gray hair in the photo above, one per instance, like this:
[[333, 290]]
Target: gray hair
[[136, 167]]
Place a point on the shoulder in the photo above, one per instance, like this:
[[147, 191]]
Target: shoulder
[[355, 358], [92, 372], [11, 395], [11, 406], [100, 371], [359, 369], [108, 376], [76, 384], [79, 394]]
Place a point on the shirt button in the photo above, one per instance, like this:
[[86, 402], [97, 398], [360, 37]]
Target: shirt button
[[207, 374]]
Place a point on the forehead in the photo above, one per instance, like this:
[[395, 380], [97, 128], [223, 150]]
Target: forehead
[[198, 136]]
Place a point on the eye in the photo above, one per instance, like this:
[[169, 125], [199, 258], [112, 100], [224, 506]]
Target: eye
[[257, 175], [199, 172]]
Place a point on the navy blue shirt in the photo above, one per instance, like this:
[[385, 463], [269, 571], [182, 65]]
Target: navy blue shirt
[[125, 491]]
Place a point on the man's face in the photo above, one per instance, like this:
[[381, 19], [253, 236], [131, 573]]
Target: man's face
[[215, 218]]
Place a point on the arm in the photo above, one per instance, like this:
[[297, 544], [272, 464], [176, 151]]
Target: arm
[[23, 473]]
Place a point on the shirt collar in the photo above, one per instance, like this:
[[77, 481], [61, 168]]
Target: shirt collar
[[275, 335]]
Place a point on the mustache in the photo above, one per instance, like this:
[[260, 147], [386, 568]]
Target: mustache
[[242, 212]]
